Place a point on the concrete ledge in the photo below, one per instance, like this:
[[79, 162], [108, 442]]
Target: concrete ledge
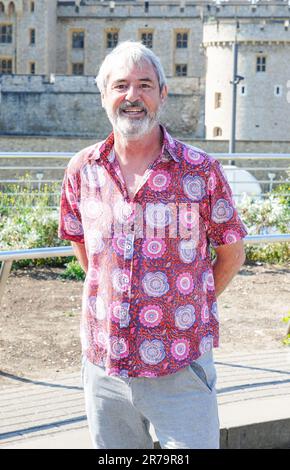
[[253, 393], [266, 435], [269, 435]]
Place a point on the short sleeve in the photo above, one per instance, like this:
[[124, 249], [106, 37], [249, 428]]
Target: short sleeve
[[70, 221], [225, 225]]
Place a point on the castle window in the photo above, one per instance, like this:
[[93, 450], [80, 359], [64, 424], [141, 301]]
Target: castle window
[[217, 100], [181, 40], [5, 33], [11, 8], [278, 90], [147, 39], [261, 64], [32, 36], [217, 132], [112, 39], [2, 8], [243, 90], [32, 7], [78, 39], [5, 66], [180, 70], [78, 69], [32, 68]]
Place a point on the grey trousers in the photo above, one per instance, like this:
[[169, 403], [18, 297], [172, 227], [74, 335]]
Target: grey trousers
[[182, 407]]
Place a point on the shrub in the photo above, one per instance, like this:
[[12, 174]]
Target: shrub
[[266, 216], [283, 190], [73, 271], [22, 197], [26, 222]]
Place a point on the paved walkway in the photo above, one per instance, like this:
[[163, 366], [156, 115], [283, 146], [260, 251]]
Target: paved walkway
[[253, 395]]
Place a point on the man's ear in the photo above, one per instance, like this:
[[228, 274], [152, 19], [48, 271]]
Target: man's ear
[[164, 93]]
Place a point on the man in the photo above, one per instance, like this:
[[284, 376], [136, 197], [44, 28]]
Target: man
[[142, 210]]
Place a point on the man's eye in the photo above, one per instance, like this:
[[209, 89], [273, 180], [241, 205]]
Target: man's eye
[[120, 87], [145, 85]]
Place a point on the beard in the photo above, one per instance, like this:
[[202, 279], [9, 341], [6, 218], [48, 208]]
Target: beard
[[133, 129]]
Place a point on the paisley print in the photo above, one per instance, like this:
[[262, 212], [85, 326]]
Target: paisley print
[[194, 187], [185, 317], [152, 352], [187, 251], [151, 316], [180, 349], [159, 180], [155, 284], [154, 248], [222, 211], [149, 305]]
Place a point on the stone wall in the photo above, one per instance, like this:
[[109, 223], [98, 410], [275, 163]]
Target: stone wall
[[47, 143], [30, 105]]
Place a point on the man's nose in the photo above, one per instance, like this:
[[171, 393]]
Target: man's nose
[[133, 93]]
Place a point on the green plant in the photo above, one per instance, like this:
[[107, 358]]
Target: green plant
[[266, 216], [287, 318], [69, 314], [283, 190], [28, 221], [286, 339], [25, 195], [73, 271]]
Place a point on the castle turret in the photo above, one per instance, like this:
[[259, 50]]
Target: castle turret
[[30, 31], [263, 98]]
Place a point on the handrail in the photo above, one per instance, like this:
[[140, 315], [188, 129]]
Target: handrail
[[36, 253], [222, 155], [8, 256], [36, 154], [52, 252]]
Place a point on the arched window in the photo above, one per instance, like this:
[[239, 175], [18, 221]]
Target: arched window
[[2, 7], [217, 132], [11, 8]]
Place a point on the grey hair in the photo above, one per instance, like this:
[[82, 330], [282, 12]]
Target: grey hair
[[135, 53]]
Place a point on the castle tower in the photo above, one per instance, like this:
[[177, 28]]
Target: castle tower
[[30, 28], [263, 98]]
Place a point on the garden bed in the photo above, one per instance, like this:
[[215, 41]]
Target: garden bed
[[39, 331]]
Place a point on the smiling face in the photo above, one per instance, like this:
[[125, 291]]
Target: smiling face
[[132, 99]]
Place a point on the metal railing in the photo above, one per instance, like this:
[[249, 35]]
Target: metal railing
[[7, 257], [39, 179]]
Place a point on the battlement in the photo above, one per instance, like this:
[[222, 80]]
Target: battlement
[[268, 31], [160, 9], [45, 83]]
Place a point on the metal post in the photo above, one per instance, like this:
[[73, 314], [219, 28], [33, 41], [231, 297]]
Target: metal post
[[232, 142], [4, 274]]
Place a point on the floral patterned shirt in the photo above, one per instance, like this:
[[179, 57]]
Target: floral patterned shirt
[[149, 306]]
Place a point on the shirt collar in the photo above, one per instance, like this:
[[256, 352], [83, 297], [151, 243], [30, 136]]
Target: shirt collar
[[169, 147]]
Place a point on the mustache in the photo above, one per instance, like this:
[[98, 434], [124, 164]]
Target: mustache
[[135, 104]]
